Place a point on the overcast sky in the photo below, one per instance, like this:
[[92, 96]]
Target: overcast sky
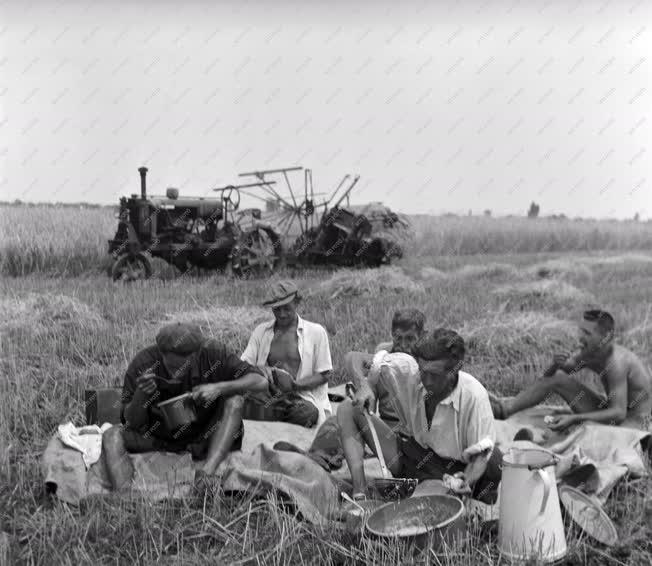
[[439, 106]]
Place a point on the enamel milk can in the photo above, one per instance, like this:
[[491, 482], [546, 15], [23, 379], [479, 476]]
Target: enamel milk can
[[530, 524]]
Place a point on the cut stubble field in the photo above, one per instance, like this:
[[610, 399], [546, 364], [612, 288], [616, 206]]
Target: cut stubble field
[[61, 241], [61, 335]]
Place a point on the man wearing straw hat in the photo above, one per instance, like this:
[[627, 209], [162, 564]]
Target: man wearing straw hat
[[295, 354], [182, 361]]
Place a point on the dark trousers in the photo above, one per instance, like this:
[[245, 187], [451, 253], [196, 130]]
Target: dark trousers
[[286, 407], [425, 464]]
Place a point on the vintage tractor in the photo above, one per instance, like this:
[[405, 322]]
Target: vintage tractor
[[204, 233]]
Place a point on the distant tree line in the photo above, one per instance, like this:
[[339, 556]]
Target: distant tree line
[[532, 212], [19, 202]]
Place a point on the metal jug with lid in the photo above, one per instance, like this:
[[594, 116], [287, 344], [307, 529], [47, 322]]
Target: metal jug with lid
[[530, 524]]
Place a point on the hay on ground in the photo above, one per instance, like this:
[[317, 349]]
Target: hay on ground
[[616, 260], [430, 274], [561, 269], [223, 321], [509, 338], [545, 294], [369, 282], [487, 271], [38, 313], [578, 269]]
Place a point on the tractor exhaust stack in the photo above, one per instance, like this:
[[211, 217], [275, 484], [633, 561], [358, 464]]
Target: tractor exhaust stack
[[143, 183]]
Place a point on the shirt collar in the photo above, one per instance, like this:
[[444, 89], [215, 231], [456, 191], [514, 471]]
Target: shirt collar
[[300, 324], [453, 398]]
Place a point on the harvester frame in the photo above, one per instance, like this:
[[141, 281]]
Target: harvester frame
[[331, 233]]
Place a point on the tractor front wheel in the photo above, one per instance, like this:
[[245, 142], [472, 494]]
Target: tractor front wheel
[[131, 267], [257, 253]]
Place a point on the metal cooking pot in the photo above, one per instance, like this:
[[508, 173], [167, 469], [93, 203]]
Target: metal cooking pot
[[439, 519], [178, 411]]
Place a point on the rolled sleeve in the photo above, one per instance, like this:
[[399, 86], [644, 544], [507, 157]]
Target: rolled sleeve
[[480, 424], [322, 353]]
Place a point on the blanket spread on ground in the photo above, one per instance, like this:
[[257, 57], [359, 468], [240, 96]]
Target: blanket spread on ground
[[606, 454]]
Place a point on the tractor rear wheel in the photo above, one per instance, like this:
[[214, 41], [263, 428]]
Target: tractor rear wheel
[[131, 267], [257, 253]]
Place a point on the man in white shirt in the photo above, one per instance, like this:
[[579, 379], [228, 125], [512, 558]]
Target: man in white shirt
[[446, 424], [326, 449], [295, 354]]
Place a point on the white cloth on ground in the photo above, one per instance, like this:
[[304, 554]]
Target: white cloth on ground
[[84, 439], [614, 451]]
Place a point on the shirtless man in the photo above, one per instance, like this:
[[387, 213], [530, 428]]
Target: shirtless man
[[626, 379], [295, 354]]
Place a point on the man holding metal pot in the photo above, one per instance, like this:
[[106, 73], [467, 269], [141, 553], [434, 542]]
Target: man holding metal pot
[[182, 394]]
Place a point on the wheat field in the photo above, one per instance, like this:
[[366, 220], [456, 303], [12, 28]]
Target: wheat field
[[66, 327], [64, 241]]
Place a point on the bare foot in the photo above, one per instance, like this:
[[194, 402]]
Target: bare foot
[[203, 483]]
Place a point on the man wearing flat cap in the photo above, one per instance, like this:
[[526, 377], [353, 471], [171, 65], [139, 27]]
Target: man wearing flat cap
[[296, 356], [182, 361]]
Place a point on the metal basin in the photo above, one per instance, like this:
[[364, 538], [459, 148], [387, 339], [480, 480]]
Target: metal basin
[[440, 518], [178, 411]]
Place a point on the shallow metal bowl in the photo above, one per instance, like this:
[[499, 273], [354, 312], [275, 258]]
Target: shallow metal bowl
[[418, 517]]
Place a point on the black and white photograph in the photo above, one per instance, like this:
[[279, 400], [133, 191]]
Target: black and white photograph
[[326, 282]]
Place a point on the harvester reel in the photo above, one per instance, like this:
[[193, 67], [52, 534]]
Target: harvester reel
[[257, 253], [131, 267]]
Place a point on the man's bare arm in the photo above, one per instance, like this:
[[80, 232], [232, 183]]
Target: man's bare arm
[[209, 392], [476, 467], [566, 363], [248, 382], [357, 365], [616, 386], [312, 381]]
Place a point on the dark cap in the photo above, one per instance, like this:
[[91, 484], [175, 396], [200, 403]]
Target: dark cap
[[281, 293], [180, 338]]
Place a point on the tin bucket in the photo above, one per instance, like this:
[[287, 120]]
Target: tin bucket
[[178, 411]]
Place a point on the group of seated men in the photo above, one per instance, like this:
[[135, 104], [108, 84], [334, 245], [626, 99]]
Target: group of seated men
[[432, 418]]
